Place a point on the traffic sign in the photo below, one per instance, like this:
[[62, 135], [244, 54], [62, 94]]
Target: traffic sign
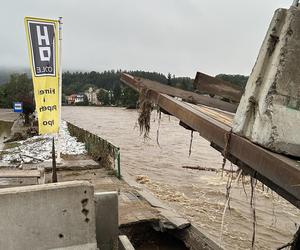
[[18, 107]]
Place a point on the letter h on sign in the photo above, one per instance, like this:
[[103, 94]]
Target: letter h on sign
[[45, 37], [43, 42]]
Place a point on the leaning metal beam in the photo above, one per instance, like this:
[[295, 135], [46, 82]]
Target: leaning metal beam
[[279, 172], [184, 95], [204, 83]]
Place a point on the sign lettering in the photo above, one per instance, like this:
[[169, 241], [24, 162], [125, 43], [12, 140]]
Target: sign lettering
[[42, 36]]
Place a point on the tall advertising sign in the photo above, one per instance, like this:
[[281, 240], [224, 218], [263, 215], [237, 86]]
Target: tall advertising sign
[[42, 38]]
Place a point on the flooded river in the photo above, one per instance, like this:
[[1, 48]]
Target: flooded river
[[198, 195]]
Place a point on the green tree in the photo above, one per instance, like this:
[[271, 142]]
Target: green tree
[[117, 93], [169, 79], [129, 97], [240, 80], [85, 101], [103, 97], [18, 88]]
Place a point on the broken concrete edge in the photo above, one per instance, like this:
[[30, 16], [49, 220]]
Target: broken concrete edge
[[195, 239], [173, 219], [124, 243], [174, 223]]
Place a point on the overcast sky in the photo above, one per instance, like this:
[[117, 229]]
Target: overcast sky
[[179, 36]]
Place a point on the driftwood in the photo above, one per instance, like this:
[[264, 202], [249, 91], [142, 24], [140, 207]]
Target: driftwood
[[209, 169]]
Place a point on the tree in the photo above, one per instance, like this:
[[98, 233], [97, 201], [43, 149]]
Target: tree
[[129, 97], [169, 79], [117, 93], [85, 101], [239, 80], [103, 97], [18, 89]]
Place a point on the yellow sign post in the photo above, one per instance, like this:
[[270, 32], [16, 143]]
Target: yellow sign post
[[43, 45]]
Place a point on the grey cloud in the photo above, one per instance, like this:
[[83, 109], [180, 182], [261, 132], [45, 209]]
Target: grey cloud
[[179, 36]]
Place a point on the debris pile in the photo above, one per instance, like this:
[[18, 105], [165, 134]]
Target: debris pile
[[39, 148]]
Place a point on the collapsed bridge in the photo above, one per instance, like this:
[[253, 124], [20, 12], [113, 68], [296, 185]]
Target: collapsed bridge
[[280, 173]]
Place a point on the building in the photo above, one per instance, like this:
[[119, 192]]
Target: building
[[92, 96], [75, 98]]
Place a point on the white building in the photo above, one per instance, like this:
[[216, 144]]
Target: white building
[[79, 98], [92, 96]]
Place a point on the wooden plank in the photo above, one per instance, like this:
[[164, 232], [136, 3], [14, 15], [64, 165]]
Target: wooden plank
[[139, 83], [279, 172], [206, 84], [218, 115]]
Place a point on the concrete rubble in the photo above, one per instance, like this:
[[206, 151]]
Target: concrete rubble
[[269, 111], [39, 148]]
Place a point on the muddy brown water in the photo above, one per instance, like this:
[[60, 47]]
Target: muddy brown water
[[198, 195]]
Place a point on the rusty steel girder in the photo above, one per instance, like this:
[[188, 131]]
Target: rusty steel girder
[[278, 172], [206, 84]]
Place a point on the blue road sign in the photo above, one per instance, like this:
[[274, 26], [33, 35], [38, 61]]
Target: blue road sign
[[18, 107]]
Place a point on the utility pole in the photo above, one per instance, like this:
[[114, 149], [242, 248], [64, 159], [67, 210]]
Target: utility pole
[[60, 23], [54, 174]]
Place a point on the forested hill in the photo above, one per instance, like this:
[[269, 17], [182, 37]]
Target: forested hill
[[74, 82], [240, 80], [17, 86], [80, 81]]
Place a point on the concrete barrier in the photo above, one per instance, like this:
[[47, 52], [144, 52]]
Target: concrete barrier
[[107, 220], [269, 111], [50, 216]]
